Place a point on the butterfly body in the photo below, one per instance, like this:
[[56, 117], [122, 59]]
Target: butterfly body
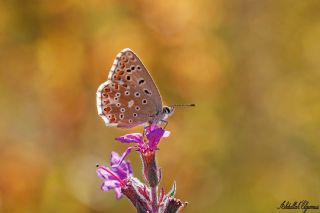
[[130, 97]]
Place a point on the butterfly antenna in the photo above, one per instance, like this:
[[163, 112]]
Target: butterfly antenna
[[183, 105]]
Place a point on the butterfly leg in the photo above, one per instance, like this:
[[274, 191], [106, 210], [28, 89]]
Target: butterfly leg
[[166, 123], [144, 131], [144, 134]]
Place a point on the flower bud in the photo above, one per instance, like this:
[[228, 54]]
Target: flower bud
[[132, 190], [150, 169], [173, 205]]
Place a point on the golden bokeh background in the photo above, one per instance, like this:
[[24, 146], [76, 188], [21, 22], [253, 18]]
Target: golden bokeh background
[[252, 68]]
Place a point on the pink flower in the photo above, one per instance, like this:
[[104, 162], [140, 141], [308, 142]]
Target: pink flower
[[153, 134], [115, 177]]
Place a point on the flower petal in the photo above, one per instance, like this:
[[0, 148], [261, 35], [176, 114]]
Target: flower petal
[[129, 168], [166, 134], [118, 193], [150, 128], [131, 138], [120, 162], [109, 184], [154, 137], [103, 174], [115, 158]]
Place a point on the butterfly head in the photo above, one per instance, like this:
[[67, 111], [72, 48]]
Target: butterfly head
[[167, 110]]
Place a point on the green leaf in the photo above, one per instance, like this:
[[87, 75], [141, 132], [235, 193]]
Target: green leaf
[[172, 192]]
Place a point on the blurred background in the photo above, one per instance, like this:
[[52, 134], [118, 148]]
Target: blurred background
[[252, 68]]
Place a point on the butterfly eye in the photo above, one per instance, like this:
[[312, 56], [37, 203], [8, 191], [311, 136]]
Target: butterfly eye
[[137, 108], [166, 110], [130, 120], [128, 77], [118, 105], [128, 70], [138, 68], [135, 114], [118, 94], [132, 67], [122, 110], [127, 93]]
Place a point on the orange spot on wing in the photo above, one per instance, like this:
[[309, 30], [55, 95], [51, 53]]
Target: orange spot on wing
[[116, 77], [107, 109]]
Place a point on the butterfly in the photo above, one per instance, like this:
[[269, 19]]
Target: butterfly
[[130, 97]]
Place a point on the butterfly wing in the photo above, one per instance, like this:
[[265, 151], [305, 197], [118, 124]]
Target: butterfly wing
[[129, 97]]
